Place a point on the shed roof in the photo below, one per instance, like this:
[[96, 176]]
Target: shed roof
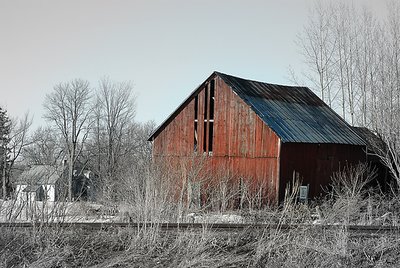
[[373, 142], [39, 175], [294, 113]]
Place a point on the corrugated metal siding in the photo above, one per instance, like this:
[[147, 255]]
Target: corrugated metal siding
[[294, 113]]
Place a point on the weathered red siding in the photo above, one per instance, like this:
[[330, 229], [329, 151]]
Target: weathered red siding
[[243, 146], [239, 132], [177, 137]]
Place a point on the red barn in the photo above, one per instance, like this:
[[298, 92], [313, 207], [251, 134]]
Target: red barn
[[259, 133]]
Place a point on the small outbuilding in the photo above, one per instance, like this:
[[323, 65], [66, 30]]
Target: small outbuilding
[[39, 183], [50, 183], [262, 135]]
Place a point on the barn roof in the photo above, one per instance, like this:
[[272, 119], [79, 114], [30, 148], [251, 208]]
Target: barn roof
[[295, 114]]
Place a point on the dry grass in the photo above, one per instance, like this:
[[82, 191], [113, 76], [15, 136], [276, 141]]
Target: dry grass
[[305, 246], [302, 247]]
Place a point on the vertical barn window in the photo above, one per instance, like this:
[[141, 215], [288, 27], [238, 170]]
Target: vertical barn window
[[212, 90], [196, 116], [206, 103], [205, 118], [196, 108], [211, 119], [210, 137]]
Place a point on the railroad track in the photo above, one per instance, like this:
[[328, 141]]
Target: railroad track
[[362, 229]]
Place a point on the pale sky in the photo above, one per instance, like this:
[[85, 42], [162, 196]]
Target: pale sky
[[166, 48]]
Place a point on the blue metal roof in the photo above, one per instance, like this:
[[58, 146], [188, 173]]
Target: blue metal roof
[[295, 114]]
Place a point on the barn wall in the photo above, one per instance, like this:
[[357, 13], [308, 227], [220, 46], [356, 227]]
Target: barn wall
[[256, 175], [315, 163], [177, 137], [243, 147], [239, 132], [243, 143]]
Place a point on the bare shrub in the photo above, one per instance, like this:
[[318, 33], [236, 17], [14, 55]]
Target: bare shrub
[[349, 200], [147, 195], [352, 181]]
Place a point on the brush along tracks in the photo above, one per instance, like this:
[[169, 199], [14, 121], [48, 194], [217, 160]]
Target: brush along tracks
[[352, 229]]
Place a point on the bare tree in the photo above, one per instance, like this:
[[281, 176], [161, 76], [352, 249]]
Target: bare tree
[[366, 64], [318, 46], [69, 109], [44, 147], [18, 140], [387, 113], [114, 119], [346, 23], [137, 159], [338, 44]]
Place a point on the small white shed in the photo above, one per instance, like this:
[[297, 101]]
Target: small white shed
[[38, 183]]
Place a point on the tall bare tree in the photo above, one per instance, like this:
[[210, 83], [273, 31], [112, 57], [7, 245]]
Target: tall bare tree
[[366, 64], [345, 32], [115, 113], [388, 124], [318, 46], [69, 109]]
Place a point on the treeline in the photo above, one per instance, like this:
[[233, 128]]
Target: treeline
[[91, 125]]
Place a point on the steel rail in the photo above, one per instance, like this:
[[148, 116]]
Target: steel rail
[[378, 229]]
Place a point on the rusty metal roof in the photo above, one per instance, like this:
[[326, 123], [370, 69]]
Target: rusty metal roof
[[295, 114]]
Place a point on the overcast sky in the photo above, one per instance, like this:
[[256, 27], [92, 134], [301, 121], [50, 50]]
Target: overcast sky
[[166, 48]]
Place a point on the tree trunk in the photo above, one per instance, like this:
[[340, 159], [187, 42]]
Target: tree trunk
[[70, 172], [4, 188]]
